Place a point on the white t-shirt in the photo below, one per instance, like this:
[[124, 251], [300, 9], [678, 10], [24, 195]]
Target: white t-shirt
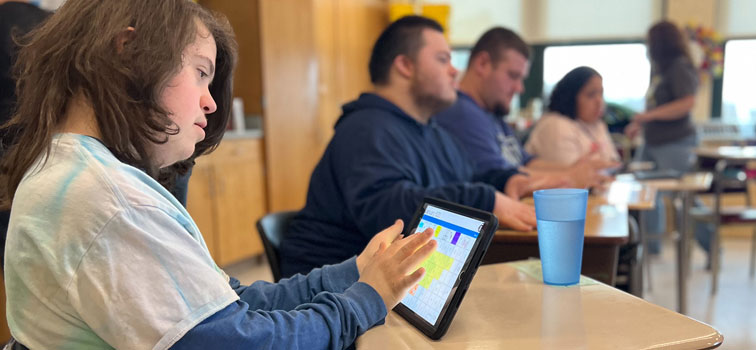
[[99, 255], [562, 140]]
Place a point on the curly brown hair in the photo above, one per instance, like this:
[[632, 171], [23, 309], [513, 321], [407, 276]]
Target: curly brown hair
[[74, 53]]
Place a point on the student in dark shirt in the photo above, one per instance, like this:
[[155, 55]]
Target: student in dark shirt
[[498, 64], [387, 153]]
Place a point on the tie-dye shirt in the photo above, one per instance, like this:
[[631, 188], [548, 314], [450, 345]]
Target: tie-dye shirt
[[100, 255]]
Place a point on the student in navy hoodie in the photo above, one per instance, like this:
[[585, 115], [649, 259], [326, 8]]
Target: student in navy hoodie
[[387, 153]]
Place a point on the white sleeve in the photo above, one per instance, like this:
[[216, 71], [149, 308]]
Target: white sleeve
[[145, 281], [555, 140]]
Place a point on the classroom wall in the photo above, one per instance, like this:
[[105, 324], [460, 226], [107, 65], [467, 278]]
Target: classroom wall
[[314, 59]]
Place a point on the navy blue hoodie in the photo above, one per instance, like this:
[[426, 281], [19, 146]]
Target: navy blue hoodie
[[376, 169]]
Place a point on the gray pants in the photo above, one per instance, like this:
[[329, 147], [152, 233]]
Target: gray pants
[[677, 155]]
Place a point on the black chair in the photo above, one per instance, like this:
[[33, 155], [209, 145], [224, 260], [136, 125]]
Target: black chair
[[272, 229]]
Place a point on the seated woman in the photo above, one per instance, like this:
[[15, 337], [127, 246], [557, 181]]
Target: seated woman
[[573, 127], [112, 97]]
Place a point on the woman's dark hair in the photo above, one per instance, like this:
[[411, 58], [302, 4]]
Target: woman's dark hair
[[564, 96], [402, 37], [75, 53], [666, 43]]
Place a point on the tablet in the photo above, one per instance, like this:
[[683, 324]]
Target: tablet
[[463, 235], [657, 174]]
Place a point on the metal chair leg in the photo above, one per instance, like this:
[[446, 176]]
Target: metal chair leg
[[715, 239], [645, 263]]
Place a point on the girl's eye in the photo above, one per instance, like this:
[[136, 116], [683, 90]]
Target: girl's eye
[[202, 74]]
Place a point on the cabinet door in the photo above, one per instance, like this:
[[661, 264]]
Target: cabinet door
[[4, 331], [200, 203], [240, 199]]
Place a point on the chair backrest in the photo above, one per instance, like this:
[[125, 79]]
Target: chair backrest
[[272, 229]]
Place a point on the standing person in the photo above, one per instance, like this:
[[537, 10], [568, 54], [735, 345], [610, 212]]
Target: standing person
[[499, 62], [388, 152], [100, 255], [574, 125], [668, 132]]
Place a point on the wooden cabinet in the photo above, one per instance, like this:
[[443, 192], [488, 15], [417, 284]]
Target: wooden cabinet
[[226, 198], [299, 61], [4, 331]]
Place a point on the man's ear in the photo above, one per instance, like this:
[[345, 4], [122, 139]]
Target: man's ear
[[124, 38], [404, 66], [481, 64]]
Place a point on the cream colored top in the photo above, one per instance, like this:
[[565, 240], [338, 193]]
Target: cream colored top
[[561, 140], [509, 307]]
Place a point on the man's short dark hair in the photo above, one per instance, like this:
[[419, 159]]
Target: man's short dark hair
[[496, 41], [403, 37]]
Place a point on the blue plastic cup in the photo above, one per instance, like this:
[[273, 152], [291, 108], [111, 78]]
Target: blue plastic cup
[[561, 222]]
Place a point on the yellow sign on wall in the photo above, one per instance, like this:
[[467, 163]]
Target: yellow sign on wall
[[438, 12]]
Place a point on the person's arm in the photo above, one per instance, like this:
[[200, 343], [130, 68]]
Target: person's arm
[[682, 81], [330, 321], [497, 178], [669, 111], [537, 164], [512, 213], [388, 268], [146, 282], [380, 179], [288, 293]]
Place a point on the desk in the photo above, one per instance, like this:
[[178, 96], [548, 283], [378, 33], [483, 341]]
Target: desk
[[633, 194], [506, 308], [605, 231], [688, 183], [640, 198], [732, 153], [725, 156]]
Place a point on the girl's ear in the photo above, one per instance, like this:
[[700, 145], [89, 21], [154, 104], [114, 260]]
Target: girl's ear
[[124, 38]]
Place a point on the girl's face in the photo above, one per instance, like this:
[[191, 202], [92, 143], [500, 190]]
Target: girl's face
[[187, 98], [590, 100]]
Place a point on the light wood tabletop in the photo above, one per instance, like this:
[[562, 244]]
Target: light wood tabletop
[[692, 182], [735, 153], [685, 187], [606, 229], [509, 307], [604, 223], [635, 195]]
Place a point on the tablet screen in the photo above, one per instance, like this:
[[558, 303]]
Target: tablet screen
[[456, 235]]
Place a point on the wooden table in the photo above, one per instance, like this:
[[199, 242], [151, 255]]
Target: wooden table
[[732, 153], [725, 156], [508, 308], [641, 199], [687, 184], [605, 231], [633, 194]]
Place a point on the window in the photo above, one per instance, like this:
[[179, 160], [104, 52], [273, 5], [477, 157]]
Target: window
[[738, 103], [459, 58], [624, 68]]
